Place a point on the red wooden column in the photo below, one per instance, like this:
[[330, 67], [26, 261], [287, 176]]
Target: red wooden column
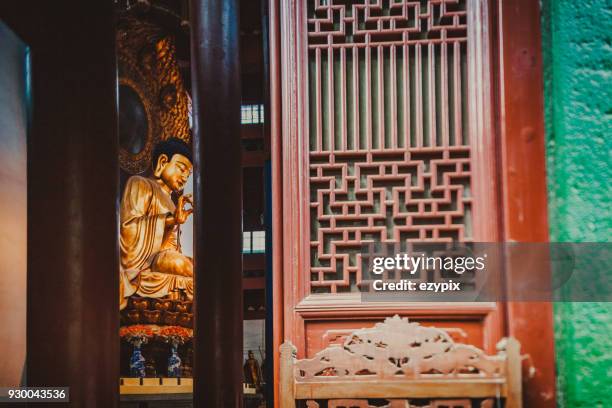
[[218, 198], [524, 181], [72, 254]]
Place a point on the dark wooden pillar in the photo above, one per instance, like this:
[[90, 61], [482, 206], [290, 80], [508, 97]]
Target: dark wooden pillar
[[72, 288], [217, 193]]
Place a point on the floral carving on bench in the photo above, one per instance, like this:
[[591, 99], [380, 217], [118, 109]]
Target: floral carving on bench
[[397, 349]]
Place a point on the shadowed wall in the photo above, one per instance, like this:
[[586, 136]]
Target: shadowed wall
[[72, 169], [13, 206]]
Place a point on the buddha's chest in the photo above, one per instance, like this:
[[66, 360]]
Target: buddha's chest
[[161, 202]]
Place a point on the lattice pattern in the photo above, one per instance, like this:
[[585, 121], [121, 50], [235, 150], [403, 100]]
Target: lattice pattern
[[385, 21], [389, 149], [395, 350]]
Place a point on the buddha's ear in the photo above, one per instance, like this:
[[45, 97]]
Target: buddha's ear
[[161, 164]]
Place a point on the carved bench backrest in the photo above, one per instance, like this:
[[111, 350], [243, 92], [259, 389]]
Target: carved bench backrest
[[399, 359]]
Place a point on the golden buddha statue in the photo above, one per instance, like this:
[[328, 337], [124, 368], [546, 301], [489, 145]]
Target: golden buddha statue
[[152, 264], [252, 371]]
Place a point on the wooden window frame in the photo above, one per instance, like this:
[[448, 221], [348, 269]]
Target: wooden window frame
[[515, 117]]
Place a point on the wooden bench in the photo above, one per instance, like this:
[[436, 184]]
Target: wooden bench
[[405, 365]]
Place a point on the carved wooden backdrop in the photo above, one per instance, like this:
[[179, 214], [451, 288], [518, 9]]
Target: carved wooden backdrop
[[387, 137], [398, 349], [148, 66]]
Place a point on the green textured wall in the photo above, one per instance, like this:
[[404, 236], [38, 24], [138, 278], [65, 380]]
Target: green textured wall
[[577, 44]]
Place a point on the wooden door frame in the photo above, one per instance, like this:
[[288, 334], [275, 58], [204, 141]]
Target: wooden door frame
[[520, 129], [518, 122]]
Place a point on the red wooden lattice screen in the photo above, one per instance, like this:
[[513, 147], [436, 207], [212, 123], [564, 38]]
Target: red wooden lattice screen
[[389, 142], [386, 138]]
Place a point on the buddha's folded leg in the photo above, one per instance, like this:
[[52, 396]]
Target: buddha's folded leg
[[158, 285], [173, 263]]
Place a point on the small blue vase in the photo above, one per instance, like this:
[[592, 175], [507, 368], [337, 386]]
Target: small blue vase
[[174, 362], [137, 362]]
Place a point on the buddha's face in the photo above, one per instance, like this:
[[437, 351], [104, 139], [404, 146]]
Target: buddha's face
[[174, 172]]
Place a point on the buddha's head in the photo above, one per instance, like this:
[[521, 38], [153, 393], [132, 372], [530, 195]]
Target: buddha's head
[[172, 163]]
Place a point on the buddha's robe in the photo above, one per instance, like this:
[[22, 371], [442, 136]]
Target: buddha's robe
[[152, 264]]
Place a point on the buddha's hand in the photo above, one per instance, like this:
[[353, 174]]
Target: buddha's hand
[[181, 213]]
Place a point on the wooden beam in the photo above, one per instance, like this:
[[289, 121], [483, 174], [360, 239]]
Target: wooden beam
[[253, 159], [252, 131], [460, 388], [254, 283], [254, 261]]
